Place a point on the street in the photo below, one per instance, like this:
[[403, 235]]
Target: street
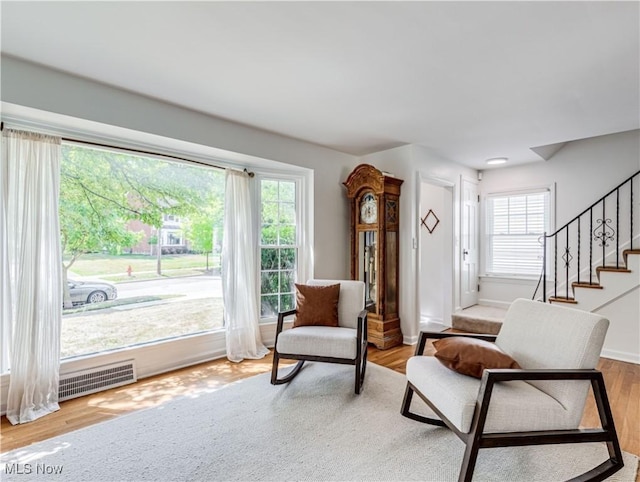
[[203, 286]]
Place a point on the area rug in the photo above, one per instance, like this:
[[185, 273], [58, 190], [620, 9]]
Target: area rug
[[315, 428]]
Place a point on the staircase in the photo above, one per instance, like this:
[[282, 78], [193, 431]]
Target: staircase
[[594, 259], [612, 283], [590, 263]]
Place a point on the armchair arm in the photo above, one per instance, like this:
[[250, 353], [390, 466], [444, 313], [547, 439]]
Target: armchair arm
[[493, 375], [505, 374], [362, 326], [361, 340], [281, 316], [426, 335]]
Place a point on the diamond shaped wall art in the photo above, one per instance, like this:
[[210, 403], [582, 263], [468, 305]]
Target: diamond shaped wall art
[[430, 221]]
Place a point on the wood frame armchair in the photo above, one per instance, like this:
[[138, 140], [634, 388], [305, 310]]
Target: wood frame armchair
[[486, 430], [345, 344]]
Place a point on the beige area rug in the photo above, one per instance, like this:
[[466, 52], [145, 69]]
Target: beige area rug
[[315, 428]]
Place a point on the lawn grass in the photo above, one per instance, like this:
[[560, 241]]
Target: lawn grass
[[113, 303], [110, 325], [149, 275], [98, 264], [108, 329]]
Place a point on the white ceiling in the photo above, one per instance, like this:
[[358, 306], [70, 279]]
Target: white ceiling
[[471, 80]]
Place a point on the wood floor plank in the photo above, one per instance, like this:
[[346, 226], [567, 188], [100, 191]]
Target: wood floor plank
[[622, 381]]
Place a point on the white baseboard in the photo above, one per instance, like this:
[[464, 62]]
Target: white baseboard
[[432, 325], [409, 340], [432, 319], [621, 356], [154, 358], [268, 333], [495, 303]]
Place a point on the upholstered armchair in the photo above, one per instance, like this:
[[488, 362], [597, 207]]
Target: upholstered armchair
[[344, 343], [542, 402]]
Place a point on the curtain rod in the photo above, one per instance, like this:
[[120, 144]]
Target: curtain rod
[[141, 151]]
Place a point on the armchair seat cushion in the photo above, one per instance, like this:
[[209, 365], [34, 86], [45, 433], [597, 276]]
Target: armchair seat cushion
[[324, 341], [515, 405]]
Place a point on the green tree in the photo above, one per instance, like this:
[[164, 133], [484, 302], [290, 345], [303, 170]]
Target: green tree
[[101, 191], [205, 226]]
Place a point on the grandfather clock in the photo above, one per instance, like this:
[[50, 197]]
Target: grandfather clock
[[375, 222]]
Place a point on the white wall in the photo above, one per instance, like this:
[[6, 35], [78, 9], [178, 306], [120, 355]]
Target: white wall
[[593, 165], [623, 336], [413, 163], [34, 86], [583, 171], [47, 97]]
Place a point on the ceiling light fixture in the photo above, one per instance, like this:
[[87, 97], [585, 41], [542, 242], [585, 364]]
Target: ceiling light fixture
[[497, 160]]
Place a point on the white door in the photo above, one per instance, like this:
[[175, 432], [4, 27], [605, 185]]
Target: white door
[[469, 245], [436, 253]]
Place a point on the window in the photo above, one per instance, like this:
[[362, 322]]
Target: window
[[130, 279], [117, 245], [279, 247], [515, 224], [173, 238]]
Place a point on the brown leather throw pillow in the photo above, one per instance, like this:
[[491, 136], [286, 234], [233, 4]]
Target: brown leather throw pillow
[[317, 305], [470, 356]]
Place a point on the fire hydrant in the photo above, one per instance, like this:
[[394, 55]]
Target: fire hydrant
[[129, 270]]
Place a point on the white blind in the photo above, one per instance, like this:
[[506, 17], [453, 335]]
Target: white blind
[[515, 223]]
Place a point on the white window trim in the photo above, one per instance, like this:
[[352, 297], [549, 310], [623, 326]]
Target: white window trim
[[551, 188], [304, 222], [151, 358]]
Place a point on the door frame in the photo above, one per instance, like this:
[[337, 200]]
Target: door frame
[[424, 178], [459, 254]]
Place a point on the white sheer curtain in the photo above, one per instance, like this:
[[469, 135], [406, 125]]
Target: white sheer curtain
[[5, 284], [32, 271], [239, 271]]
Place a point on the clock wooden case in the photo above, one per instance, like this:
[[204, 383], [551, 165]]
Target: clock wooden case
[[375, 222]]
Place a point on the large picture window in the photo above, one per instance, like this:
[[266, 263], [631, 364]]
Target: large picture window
[[142, 234], [279, 245], [141, 249], [515, 224]]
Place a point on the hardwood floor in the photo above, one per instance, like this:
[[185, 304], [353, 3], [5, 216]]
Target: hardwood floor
[[622, 381]]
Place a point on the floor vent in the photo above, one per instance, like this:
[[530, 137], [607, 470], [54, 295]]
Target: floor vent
[[84, 382]]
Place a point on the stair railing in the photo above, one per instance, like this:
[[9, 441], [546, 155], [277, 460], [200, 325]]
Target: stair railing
[[607, 221]]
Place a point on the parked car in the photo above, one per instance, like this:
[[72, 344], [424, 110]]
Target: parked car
[[91, 291]]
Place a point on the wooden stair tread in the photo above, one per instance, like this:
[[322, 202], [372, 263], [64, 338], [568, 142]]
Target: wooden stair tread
[[562, 299], [627, 252], [612, 269], [595, 285], [586, 285]]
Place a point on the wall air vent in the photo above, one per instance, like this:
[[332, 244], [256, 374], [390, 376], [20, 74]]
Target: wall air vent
[[83, 382]]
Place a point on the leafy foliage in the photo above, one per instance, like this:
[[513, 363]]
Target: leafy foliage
[[278, 239], [102, 191], [206, 224]]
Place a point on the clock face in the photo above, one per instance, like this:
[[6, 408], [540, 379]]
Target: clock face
[[368, 209]]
